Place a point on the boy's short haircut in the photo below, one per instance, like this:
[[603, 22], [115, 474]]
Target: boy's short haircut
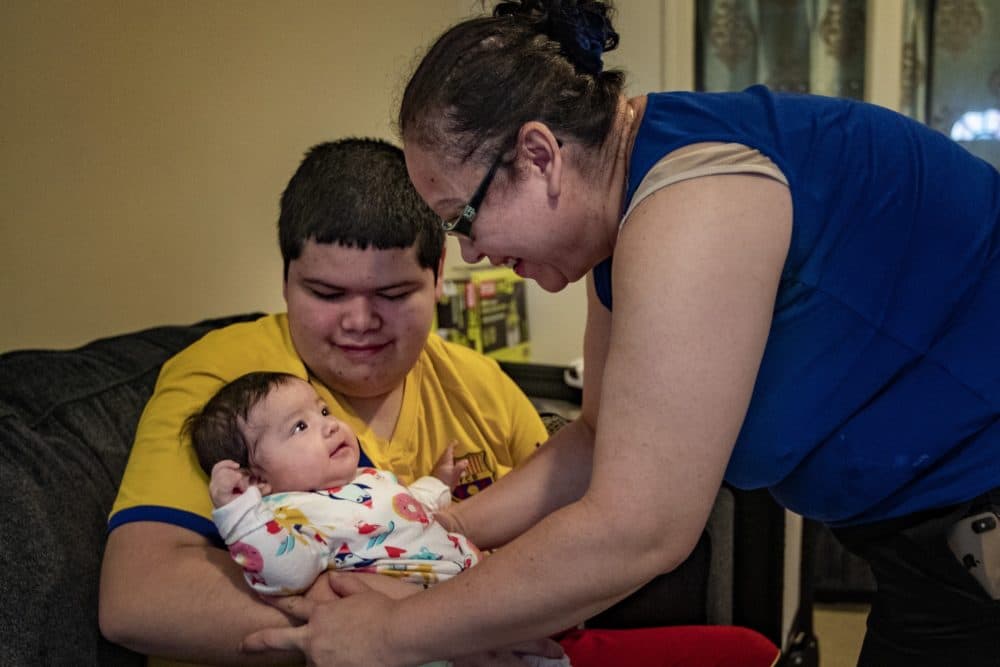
[[356, 192], [216, 431]]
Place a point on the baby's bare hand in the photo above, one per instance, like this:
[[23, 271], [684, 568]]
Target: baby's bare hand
[[228, 481], [447, 469]]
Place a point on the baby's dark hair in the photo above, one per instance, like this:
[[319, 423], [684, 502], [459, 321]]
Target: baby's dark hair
[[356, 193], [215, 429], [532, 60]]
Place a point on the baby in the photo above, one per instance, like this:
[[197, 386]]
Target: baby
[[290, 501]]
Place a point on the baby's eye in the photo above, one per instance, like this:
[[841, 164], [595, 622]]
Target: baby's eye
[[325, 411], [299, 426]]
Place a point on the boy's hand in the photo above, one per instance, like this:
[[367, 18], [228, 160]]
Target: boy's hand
[[447, 469], [228, 481]]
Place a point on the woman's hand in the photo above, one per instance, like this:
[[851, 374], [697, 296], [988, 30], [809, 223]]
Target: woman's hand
[[299, 607], [342, 633], [335, 633], [397, 589]]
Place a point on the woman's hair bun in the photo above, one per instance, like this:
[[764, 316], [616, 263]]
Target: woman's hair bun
[[581, 27]]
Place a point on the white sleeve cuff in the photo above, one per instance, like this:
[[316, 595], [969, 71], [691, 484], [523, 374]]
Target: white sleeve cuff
[[431, 492], [228, 517]]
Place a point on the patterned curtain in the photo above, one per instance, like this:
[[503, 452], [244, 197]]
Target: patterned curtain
[[964, 73], [916, 33], [815, 46]]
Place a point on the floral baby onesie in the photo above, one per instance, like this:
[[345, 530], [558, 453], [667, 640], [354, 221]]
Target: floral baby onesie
[[373, 524]]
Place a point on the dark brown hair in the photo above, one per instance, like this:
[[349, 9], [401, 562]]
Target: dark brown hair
[[215, 429], [532, 60], [356, 193]]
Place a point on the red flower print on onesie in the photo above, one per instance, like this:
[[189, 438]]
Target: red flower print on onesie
[[247, 556]]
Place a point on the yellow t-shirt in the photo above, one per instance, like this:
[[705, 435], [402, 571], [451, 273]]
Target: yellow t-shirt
[[451, 393]]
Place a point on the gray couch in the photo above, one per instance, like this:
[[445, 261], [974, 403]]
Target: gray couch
[[67, 420]]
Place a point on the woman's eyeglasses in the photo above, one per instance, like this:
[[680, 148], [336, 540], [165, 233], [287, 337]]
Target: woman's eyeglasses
[[461, 225]]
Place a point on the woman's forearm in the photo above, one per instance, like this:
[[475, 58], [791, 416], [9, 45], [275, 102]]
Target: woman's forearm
[[556, 475], [531, 575]]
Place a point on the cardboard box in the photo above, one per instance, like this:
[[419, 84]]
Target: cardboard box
[[485, 309]]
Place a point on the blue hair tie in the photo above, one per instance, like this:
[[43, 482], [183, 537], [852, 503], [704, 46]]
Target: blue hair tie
[[590, 33], [583, 34]]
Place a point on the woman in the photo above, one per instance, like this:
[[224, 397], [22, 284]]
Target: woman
[[804, 296]]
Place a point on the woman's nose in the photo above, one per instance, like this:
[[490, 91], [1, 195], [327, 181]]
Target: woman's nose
[[469, 254]]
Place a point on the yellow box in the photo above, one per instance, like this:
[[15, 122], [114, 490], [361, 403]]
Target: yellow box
[[485, 309]]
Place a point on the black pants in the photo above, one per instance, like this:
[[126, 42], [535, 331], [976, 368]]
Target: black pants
[[928, 611]]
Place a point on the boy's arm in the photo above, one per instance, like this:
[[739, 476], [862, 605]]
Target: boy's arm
[[167, 591], [174, 594]]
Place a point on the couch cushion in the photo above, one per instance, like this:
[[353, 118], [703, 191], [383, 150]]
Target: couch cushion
[[67, 419]]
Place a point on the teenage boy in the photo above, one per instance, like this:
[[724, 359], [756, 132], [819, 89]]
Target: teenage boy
[[362, 262]]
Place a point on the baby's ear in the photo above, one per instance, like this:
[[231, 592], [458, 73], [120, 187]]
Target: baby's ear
[[257, 479]]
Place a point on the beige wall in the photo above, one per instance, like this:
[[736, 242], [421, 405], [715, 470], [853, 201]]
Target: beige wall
[[145, 144]]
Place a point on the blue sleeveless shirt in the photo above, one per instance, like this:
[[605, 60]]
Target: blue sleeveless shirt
[[879, 389]]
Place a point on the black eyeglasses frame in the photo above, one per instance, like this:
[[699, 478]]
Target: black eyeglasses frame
[[461, 225]]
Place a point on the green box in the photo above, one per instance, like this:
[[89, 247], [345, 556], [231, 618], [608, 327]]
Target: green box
[[485, 309]]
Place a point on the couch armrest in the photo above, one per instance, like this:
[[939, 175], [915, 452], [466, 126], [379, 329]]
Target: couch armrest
[[67, 420]]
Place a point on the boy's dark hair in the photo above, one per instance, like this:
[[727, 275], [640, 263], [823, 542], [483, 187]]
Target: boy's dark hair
[[215, 430], [532, 60], [356, 192]]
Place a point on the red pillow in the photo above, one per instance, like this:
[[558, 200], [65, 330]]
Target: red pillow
[[670, 646]]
